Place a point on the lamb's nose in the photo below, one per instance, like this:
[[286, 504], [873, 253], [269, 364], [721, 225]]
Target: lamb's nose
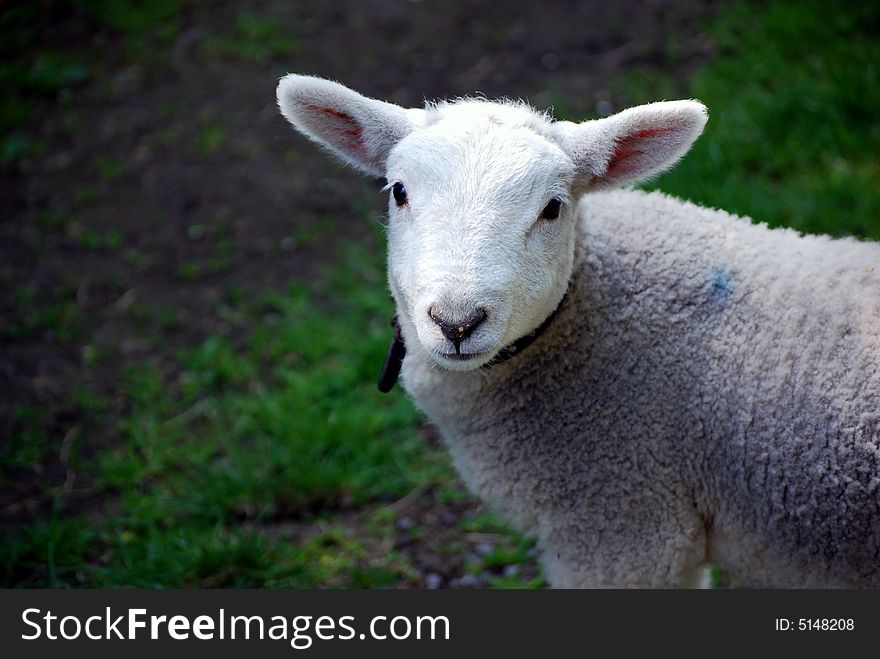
[[458, 331]]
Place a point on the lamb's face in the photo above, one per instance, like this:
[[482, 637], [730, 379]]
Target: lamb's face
[[482, 219], [481, 235]]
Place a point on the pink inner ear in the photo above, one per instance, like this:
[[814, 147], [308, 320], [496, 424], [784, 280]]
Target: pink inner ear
[[628, 148], [345, 126]]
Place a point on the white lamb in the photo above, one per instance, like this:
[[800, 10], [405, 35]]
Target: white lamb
[[691, 389]]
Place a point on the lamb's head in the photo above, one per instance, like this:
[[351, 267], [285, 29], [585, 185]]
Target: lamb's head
[[482, 200]]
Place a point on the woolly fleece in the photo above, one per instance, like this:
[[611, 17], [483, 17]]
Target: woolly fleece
[[709, 392]]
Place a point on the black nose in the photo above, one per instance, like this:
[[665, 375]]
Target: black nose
[[460, 330]]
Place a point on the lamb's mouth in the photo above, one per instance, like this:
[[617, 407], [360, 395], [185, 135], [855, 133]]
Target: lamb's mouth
[[464, 356]]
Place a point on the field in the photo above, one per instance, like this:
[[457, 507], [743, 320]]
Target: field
[[195, 309]]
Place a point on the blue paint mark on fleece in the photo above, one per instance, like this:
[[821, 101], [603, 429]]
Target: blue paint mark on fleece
[[720, 284]]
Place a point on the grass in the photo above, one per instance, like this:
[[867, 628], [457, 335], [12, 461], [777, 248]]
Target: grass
[[279, 427], [211, 139], [792, 138], [60, 316], [252, 38], [39, 71], [269, 459]]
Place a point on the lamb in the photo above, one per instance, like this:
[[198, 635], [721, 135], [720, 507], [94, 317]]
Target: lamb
[[644, 385]]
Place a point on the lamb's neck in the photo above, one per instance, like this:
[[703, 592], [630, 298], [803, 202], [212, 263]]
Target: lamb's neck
[[453, 399]]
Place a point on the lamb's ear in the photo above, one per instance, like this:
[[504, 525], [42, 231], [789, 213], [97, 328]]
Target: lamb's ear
[[359, 130], [633, 145]]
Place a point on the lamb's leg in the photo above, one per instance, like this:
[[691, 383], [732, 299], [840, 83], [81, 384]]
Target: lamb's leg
[[700, 577], [671, 559]]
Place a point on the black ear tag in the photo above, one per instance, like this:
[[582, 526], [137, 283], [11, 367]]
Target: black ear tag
[[393, 360]]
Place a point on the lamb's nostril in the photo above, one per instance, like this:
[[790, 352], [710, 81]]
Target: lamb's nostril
[[458, 331]]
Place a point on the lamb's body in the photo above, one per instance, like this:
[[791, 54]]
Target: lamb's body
[[708, 390], [726, 405]]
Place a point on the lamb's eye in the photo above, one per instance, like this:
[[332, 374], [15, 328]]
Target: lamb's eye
[[399, 193], [551, 210]]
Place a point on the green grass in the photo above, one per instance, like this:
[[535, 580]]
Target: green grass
[[281, 427], [39, 71], [27, 445], [60, 316], [132, 16], [252, 38], [211, 139], [793, 135]]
